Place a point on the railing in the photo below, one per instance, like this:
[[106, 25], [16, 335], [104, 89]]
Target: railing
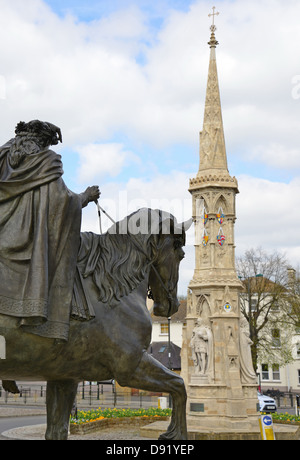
[[284, 400], [88, 396]]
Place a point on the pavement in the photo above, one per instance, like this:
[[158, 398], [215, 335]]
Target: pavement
[[37, 432]]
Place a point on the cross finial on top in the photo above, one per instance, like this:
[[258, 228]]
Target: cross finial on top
[[213, 14], [213, 42]]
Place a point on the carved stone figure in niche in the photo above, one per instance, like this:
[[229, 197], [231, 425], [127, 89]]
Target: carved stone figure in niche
[[247, 372], [202, 345]]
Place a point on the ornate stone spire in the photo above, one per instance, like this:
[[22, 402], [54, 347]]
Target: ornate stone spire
[[213, 168], [214, 292], [212, 141]]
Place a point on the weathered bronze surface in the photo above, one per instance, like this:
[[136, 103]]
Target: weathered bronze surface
[[40, 222], [97, 297]]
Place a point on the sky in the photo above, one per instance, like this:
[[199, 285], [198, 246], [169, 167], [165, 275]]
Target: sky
[[125, 80]]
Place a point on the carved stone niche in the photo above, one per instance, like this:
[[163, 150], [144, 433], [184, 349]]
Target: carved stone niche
[[202, 344], [203, 308]]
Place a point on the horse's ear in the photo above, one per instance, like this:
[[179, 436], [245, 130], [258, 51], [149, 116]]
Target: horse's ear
[[184, 226], [164, 223], [171, 227]]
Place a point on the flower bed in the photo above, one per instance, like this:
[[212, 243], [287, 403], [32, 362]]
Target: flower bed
[[94, 420], [286, 419]]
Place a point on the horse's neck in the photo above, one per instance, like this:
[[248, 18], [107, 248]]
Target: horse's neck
[[142, 289], [140, 245]]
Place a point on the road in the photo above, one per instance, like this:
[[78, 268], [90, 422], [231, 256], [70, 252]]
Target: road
[[8, 423]]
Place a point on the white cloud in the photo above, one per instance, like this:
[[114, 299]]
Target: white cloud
[[102, 161], [86, 77], [268, 216], [277, 156], [82, 77]]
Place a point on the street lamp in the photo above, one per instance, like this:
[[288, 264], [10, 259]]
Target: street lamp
[[169, 343], [169, 354]]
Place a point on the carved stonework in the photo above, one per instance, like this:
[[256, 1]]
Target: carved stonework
[[202, 349], [213, 179], [217, 365], [203, 308], [247, 372]]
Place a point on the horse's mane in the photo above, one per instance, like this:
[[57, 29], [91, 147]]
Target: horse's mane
[[114, 261]]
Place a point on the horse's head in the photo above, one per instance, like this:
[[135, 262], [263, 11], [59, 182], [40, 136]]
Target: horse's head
[[164, 273], [146, 244]]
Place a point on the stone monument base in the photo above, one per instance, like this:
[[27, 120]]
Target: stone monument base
[[282, 433], [216, 405], [199, 379]]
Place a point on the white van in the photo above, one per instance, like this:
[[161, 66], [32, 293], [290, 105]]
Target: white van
[[266, 404]]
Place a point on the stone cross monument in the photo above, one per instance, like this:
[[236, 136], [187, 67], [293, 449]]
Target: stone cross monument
[[216, 358]]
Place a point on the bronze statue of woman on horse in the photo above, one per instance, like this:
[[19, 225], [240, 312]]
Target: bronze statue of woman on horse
[[73, 305]]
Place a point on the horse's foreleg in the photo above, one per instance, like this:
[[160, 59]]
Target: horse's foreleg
[[153, 376], [10, 386], [60, 399]]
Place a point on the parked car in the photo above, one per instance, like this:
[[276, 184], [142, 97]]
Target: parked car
[[266, 404]]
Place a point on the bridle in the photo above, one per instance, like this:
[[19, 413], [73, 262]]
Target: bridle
[[167, 291]]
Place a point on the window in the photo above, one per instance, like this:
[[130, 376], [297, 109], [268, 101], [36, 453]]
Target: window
[[276, 372], [253, 303], [265, 371], [276, 342], [275, 306], [162, 349], [164, 328], [298, 350], [299, 377]]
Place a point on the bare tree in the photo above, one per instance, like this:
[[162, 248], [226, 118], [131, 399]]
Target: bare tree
[[265, 280], [291, 304]]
